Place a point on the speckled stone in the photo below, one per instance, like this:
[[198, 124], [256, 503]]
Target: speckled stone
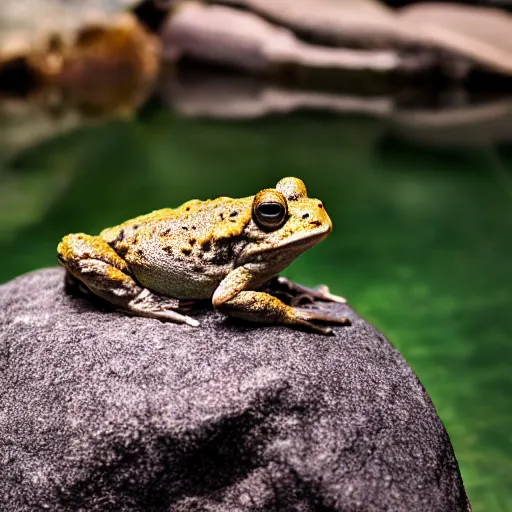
[[100, 412]]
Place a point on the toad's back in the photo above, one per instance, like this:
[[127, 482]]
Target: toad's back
[[183, 252]]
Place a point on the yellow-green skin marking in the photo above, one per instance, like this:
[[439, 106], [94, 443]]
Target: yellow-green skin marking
[[222, 249]]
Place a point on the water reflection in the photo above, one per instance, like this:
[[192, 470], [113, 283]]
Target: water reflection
[[191, 91]]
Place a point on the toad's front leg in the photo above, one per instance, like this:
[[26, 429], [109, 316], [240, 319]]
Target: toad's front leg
[[233, 299], [92, 261]]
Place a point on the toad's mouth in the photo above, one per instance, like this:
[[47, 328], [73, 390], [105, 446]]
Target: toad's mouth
[[297, 243]]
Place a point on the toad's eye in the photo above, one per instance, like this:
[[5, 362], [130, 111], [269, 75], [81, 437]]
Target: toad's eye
[[269, 209], [270, 215]]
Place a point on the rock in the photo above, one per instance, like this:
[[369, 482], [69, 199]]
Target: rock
[[102, 411], [90, 57], [478, 35], [430, 37], [356, 23], [108, 70], [470, 36], [22, 23], [242, 40]]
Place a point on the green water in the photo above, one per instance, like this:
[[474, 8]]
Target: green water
[[421, 247]]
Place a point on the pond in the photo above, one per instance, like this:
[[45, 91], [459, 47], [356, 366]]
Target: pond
[[421, 247]]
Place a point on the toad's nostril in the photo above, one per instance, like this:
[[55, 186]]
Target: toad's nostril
[[305, 216]]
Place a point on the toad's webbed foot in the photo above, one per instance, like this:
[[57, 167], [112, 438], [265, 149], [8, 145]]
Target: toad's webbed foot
[[296, 294], [306, 317]]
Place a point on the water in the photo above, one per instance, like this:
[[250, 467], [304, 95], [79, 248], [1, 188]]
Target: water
[[421, 247]]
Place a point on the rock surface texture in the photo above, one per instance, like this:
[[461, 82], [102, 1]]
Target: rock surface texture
[[99, 411]]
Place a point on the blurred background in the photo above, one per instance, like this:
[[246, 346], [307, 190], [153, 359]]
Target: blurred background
[[399, 117]]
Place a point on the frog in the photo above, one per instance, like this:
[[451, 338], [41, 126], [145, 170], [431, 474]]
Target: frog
[[224, 250]]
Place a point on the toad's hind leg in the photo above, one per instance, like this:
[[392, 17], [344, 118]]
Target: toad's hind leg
[[93, 262]]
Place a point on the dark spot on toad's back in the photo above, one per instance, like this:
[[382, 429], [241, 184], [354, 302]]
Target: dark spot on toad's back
[[120, 236]]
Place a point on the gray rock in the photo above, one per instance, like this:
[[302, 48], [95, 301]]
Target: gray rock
[[243, 40], [99, 411], [22, 22]]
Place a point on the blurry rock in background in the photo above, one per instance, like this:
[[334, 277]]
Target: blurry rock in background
[[253, 34], [480, 37], [109, 69], [422, 67], [21, 23], [243, 40], [81, 48], [63, 64], [350, 23]]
